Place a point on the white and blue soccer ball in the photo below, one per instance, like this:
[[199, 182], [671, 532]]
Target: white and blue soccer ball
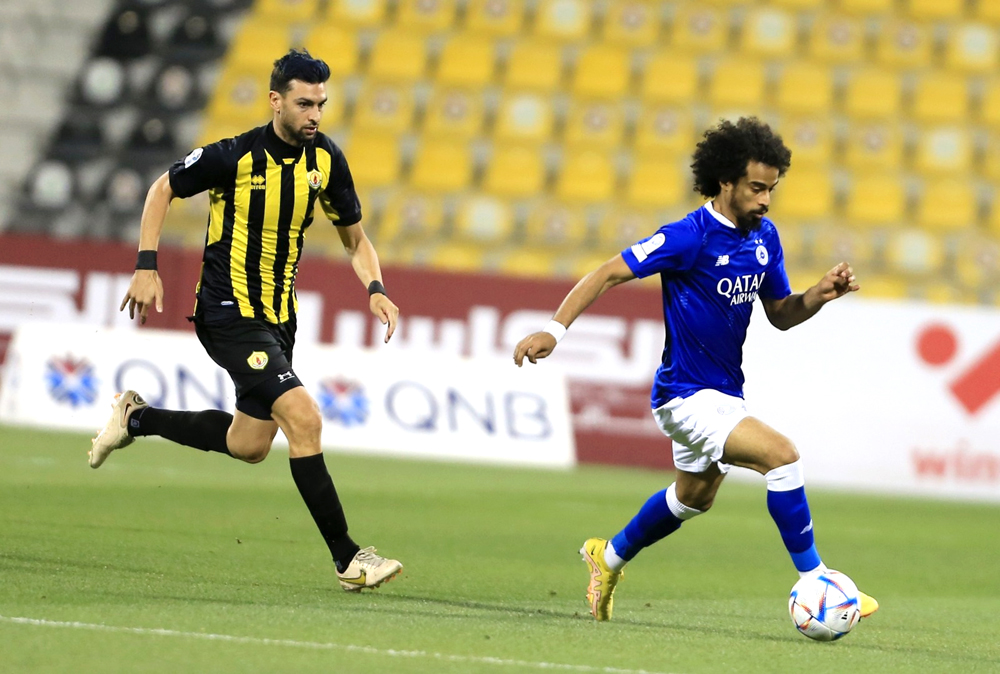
[[825, 607]]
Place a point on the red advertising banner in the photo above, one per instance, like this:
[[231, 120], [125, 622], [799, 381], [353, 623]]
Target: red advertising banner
[[609, 356]]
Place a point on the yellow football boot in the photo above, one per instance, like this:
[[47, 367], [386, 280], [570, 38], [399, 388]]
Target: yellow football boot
[[600, 591]]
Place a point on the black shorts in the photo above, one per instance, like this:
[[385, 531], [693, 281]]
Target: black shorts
[[258, 357]]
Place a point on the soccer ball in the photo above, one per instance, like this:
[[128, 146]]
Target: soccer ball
[[825, 607]]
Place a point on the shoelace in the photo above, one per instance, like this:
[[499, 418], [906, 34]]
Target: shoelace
[[366, 557]]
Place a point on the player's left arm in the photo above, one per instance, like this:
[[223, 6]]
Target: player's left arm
[[364, 259], [789, 311]]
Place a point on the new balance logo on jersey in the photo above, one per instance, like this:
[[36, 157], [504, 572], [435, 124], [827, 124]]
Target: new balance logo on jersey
[[723, 260], [741, 289]]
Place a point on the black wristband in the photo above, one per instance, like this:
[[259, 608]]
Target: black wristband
[[376, 287], [146, 260]]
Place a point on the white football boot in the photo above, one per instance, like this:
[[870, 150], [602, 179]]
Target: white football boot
[[368, 570], [115, 435]]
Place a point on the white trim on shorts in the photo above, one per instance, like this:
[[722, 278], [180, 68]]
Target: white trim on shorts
[[699, 426]]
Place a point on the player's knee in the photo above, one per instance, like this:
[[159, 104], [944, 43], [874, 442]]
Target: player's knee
[[306, 422], [251, 452], [784, 453]]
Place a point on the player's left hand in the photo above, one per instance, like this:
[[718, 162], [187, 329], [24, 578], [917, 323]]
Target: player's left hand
[[837, 282], [534, 346], [385, 311]]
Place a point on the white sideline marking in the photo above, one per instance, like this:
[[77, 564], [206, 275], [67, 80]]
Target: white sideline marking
[[319, 645]]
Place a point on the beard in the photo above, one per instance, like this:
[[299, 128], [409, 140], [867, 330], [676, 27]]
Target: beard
[[747, 222], [297, 133]]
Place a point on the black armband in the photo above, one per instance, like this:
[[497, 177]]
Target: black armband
[[146, 260], [376, 287]]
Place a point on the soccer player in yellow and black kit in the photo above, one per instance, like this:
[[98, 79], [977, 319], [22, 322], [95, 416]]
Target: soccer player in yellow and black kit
[[263, 187]]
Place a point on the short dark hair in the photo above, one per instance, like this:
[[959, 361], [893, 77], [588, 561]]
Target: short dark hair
[[722, 156], [298, 65]]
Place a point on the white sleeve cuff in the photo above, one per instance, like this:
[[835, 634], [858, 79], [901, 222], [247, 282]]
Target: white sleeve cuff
[[556, 329]]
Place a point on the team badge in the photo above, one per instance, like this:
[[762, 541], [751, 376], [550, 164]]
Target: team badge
[[315, 179], [762, 255], [257, 360]]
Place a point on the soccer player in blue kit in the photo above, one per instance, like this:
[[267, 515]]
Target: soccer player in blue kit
[[713, 264]]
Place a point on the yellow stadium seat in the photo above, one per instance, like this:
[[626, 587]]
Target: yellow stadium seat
[[397, 56], [911, 251], [991, 163], [529, 262], [598, 125], [837, 39], [257, 44], [799, 4], [524, 118], [460, 257], [286, 11], [989, 107], [699, 29], [883, 286], [873, 94], [737, 83], [865, 7], [466, 61], [374, 159], [357, 13], [876, 200], [947, 206], [535, 66], [408, 216], [794, 242], [562, 20], [905, 44], [805, 88], [664, 130], [586, 177], [631, 24], [427, 16], [515, 172], [441, 166], [384, 107], [811, 140], [804, 195], [241, 97], [941, 98], [622, 226], [833, 245], [874, 146], [654, 184], [987, 10], [497, 18], [333, 111], [670, 78], [972, 48], [555, 224], [454, 113], [587, 261], [602, 71], [769, 33], [485, 219], [934, 10], [338, 47], [944, 150]]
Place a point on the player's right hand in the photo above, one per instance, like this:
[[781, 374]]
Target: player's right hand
[[145, 290], [534, 346]]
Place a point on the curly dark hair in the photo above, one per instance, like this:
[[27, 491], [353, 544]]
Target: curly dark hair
[[298, 64], [723, 154]]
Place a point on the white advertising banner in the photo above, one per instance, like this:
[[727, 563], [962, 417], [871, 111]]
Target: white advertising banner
[[404, 404], [885, 396]]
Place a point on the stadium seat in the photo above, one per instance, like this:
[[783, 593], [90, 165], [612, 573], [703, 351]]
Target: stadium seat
[[698, 29], [385, 108], [336, 46], [375, 159], [556, 225], [466, 61], [865, 7], [409, 216], [833, 245], [991, 157], [811, 139], [397, 56], [874, 146], [654, 184], [914, 252], [670, 78], [934, 10], [515, 172], [873, 94], [534, 66], [941, 98], [799, 5], [664, 130], [524, 118], [441, 166], [885, 287], [256, 45], [945, 150], [421, 16], [769, 33], [804, 195], [597, 125], [947, 206], [837, 39], [286, 11], [622, 226], [454, 113], [241, 97], [586, 177], [737, 83], [876, 200], [602, 71], [496, 18], [562, 20], [357, 13], [631, 24], [805, 89], [529, 262], [905, 44], [987, 11], [972, 48], [989, 104], [460, 257], [485, 219]]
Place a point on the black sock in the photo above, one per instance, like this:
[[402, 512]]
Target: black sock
[[317, 490], [205, 430]]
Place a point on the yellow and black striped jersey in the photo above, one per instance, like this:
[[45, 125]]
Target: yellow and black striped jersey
[[262, 192]]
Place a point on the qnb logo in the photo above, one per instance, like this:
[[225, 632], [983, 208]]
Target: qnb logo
[[343, 401], [978, 383], [740, 289]]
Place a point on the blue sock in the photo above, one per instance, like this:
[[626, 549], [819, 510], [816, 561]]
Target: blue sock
[[653, 522], [790, 512]]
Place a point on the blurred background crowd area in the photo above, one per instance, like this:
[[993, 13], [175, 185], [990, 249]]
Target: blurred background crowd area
[[533, 137]]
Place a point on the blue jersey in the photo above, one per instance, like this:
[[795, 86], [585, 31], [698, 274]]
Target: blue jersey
[[711, 273]]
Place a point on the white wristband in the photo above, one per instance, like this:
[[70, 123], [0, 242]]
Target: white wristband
[[556, 329]]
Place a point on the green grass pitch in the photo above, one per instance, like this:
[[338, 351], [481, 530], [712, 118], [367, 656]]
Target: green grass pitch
[[170, 560]]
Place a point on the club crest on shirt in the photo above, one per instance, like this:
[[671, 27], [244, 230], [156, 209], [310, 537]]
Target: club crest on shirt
[[315, 179], [257, 360], [762, 255]]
